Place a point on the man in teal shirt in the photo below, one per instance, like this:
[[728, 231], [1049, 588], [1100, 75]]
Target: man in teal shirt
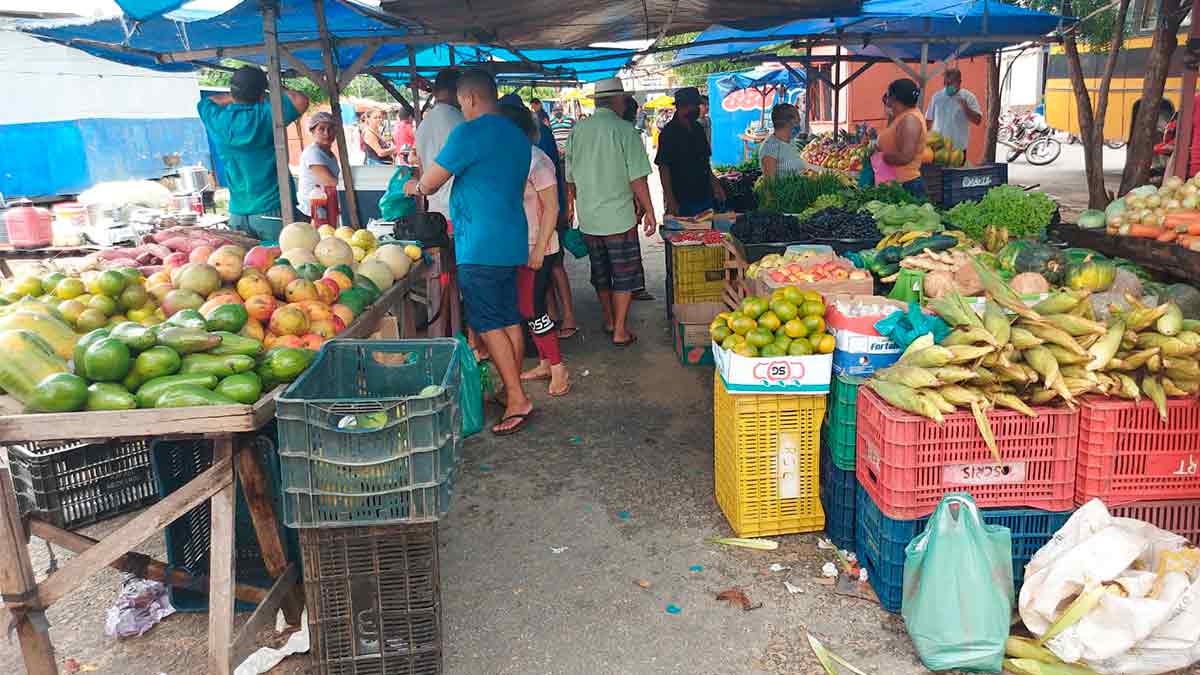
[[240, 125]]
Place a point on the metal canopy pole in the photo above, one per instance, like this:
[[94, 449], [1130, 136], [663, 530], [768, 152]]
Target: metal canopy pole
[[837, 90], [1187, 110], [412, 83], [333, 91], [275, 82]]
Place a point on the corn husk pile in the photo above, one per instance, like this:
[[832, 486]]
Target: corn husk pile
[[1053, 352]]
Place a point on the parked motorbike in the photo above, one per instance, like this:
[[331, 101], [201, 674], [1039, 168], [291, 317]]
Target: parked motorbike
[[1027, 134]]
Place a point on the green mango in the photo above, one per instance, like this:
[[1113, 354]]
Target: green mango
[[218, 366], [109, 396], [186, 395], [242, 387], [147, 394], [60, 392], [236, 344], [81, 347], [228, 318], [107, 360], [187, 318], [187, 340], [137, 337], [155, 362], [284, 364]]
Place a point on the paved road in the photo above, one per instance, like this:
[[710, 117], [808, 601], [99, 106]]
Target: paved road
[[1064, 179]]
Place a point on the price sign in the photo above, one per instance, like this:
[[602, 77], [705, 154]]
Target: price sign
[[787, 471], [983, 474]]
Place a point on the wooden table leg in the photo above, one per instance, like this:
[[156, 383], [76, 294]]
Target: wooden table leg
[[220, 574], [5, 270], [434, 290], [18, 585], [257, 490]]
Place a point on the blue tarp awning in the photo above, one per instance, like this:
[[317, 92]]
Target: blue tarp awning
[[585, 65], [969, 20], [758, 78], [148, 9]]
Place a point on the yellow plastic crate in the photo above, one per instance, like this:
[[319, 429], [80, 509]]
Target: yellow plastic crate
[[698, 273], [751, 435]]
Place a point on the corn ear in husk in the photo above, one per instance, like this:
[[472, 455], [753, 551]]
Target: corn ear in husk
[[1085, 602], [968, 335], [1128, 387], [1075, 325], [906, 398], [1106, 347], [1154, 391], [909, 376], [1043, 362], [985, 429], [953, 308], [960, 354], [1064, 356], [1035, 667], [996, 321], [1055, 335], [1011, 402], [1024, 648], [952, 374], [938, 401], [929, 357], [1057, 303], [1021, 338], [999, 291]]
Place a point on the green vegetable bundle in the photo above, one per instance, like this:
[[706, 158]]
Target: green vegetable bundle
[[1025, 214], [888, 193], [794, 194]]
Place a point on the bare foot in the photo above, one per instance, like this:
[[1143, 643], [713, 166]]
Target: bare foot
[[541, 372], [560, 381]]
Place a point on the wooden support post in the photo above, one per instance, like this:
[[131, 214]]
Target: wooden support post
[[275, 90], [142, 566], [412, 85], [18, 587], [76, 571], [1187, 95], [264, 614], [393, 92], [333, 91], [837, 89], [220, 570], [262, 513]]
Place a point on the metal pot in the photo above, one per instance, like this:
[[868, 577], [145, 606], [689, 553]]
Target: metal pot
[[192, 179]]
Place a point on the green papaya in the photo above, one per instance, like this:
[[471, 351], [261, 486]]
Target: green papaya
[[365, 283], [60, 392], [218, 366], [187, 340], [137, 337], [284, 364], [56, 332], [147, 394], [107, 360], [158, 361], [186, 395], [81, 348], [25, 361], [229, 318], [357, 299], [310, 271], [109, 396], [187, 318], [242, 387], [236, 344]]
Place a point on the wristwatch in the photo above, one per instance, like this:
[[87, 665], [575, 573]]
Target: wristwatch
[[420, 190]]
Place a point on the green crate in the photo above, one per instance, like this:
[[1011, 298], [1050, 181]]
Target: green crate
[[841, 423], [371, 433]]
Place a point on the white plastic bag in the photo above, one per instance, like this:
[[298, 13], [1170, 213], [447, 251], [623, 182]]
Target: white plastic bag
[[1153, 628]]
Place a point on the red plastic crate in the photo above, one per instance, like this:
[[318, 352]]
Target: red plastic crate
[[1181, 517], [907, 462], [1128, 454]]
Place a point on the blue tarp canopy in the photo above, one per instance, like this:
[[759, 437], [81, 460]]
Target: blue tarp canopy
[[903, 24], [759, 78], [584, 65], [148, 9]]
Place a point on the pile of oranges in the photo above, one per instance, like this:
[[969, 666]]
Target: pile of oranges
[[789, 323]]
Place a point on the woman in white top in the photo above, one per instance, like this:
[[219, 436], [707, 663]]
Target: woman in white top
[[778, 156], [533, 280]]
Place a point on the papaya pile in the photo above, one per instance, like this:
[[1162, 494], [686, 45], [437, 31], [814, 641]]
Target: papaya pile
[[940, 150]]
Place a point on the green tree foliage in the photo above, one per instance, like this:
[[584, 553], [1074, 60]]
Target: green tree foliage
[[694, 74]]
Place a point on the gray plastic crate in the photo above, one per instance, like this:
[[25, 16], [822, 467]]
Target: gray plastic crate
[[371, 433]]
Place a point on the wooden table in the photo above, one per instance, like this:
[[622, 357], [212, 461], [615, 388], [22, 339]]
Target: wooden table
[[1162, 257], [8, 253], [231, 428]]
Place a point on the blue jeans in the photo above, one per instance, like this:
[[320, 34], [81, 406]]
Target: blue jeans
[[262, 226], [371, 161]]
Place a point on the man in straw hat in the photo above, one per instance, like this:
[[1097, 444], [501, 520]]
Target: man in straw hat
[[606, 171]]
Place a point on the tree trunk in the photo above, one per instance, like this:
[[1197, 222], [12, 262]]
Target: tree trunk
[[1145, 125], [993, 108], [1093, 157]]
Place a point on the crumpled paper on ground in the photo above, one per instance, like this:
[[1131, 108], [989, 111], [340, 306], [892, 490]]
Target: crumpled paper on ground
[[266, 658], [141, 605]]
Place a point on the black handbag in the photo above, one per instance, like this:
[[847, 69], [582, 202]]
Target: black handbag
[[427, 228]]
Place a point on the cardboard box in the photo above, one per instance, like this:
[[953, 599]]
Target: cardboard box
[[690, 328], [787, 375], [859, 349], [764, 286]]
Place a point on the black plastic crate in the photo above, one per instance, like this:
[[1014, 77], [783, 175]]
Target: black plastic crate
[[946, 186], [189, 537], [72, 484], [373, 598]]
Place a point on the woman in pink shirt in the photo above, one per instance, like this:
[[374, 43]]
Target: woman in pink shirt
[[541, 211], [404, 137]]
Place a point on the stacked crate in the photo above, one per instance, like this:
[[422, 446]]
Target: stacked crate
[[369, 442], [1140, 466], [905, 464]]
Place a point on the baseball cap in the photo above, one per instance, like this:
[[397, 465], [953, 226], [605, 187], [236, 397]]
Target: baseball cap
[[608, 87], [688, 96], [446, 79], [511, 99], [319, 117]]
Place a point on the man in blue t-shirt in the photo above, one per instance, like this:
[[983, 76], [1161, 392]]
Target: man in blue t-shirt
[[489, 158]]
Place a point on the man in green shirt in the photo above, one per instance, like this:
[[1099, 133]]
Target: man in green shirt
[[239, 124], [606, 171]]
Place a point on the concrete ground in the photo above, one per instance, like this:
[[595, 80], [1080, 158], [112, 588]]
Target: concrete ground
[[1064, 179]]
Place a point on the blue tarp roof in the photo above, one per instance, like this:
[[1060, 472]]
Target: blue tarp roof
[[759, 77], [148, 9], [964, 19], [586, 65]]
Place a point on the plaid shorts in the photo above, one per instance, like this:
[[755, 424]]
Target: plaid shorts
[[616, 261]]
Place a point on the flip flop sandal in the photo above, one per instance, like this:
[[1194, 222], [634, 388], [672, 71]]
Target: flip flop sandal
[[564, 392], [643, 296], [524, 417], [567, 333], [535, 378], [608, 330], [625, 343]]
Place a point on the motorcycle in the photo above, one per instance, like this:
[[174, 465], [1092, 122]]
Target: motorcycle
[[1027, 134]]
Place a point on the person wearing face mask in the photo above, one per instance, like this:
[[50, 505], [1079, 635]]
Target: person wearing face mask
[[318, 166], [952, 109], [689, 185], [778, 156], [902, 140]]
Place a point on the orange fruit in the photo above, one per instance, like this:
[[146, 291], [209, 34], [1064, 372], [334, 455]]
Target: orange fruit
[[814, 324], [770, 321], [795, 329], [825, 346]]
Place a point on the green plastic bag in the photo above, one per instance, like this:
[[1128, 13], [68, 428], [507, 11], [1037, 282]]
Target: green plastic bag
[[572, 240], [470, 393], [958, 589], [394, 204]]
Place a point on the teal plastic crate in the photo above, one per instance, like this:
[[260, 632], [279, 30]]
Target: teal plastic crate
[[840, 424], [838, 490], [371, 434]]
